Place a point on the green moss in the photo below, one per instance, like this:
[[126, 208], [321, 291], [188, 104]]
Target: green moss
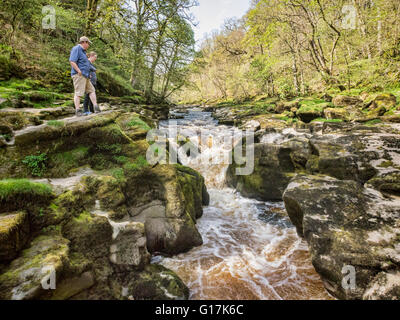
[[386, 164], [109, 148], [84, 217], [121, 159], [137, 122], [373, 122], [137, 165], [12, 188], [55, 123], [61, 163]]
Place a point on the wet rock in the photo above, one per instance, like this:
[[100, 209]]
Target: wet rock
[[346, 224], [14, 234], [171, 236], [251, 125]]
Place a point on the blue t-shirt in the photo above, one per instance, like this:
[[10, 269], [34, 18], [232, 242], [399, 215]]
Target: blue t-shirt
[[93, 76], [78, 55]]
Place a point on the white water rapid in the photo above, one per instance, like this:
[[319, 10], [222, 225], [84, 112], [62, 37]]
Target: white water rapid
[[250, 250]]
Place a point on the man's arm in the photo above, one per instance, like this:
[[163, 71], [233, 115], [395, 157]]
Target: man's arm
[[75, 66]]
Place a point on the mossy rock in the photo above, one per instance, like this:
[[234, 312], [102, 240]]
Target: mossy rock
[[281, 107], [386, 100], [387, 183], [42, 217], [336, 113], [308, 113], [345, 101], [14, 234], [89, 235], [273, 169], [106, 189], [24, 276], [157, 283], [16, 194]]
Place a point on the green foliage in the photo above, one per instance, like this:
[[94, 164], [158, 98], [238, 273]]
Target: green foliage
[[10, 187], [272, 51], [36, 164]]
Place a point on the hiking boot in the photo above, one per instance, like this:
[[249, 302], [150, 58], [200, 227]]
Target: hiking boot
[[78, 113], [87, 113], [97, 109]]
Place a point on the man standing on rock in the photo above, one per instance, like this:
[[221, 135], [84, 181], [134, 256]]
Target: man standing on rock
[[80, 75]]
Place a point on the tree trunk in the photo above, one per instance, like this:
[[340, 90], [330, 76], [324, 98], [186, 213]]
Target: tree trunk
[[91, 12]]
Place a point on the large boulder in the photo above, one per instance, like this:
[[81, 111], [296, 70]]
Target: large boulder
[[273, 169], [385, 100], [168, 200], [342, 156], [348, 227]]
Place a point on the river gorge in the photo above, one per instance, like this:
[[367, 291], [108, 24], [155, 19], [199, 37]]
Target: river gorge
[[251, 249]]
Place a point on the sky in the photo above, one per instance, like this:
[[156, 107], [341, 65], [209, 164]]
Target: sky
[[211, 14]]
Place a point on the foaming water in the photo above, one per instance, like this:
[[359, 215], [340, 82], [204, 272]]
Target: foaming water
[[250, 250]]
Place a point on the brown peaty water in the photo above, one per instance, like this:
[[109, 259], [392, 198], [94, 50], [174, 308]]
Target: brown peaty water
[[251, 250]]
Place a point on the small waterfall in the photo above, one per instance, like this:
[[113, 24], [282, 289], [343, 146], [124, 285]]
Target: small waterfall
[[250, 250]]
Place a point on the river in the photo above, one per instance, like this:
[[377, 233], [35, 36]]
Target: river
[[251, 249]]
